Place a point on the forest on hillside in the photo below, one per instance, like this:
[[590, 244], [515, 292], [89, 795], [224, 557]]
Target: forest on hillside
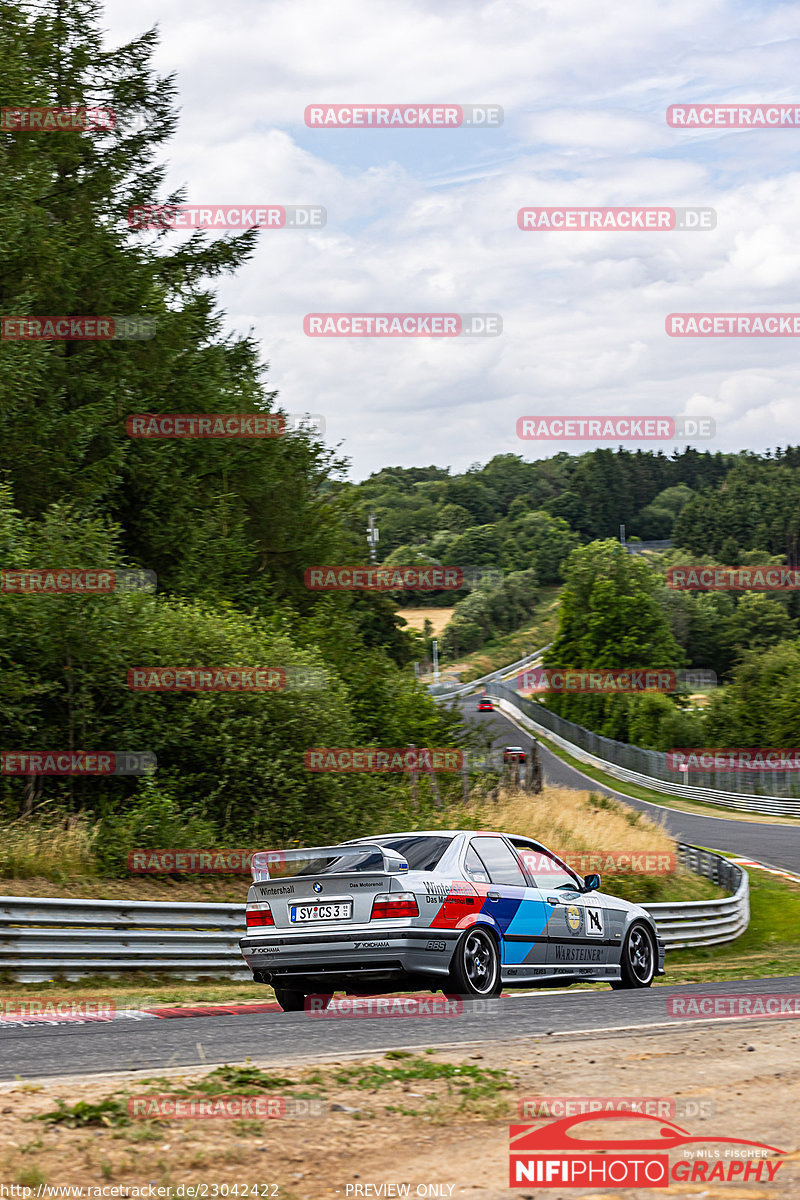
[[556, 521], [228, 527]]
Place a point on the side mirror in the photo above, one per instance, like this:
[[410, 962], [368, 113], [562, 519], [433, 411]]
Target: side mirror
[[591, 883]]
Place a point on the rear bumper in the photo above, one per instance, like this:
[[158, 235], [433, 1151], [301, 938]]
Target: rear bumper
[[360, 952]]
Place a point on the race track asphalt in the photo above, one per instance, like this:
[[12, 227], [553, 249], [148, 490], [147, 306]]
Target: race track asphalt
[[287, 1038], [774, 845]]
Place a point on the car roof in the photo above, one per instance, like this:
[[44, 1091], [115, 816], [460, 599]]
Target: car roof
[[384, 837]]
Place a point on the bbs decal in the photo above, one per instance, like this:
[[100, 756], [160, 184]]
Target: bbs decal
[[436, 945]]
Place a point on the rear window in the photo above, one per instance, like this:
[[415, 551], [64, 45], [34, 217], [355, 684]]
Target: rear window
[[368, 861], [421, 853]]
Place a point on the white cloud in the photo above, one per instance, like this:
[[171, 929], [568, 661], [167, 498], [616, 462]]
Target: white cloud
[[427, 222]]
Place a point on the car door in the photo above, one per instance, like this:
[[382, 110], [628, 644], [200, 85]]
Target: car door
[[512, 901], [578, 934]]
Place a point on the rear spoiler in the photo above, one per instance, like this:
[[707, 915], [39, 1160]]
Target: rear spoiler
[[264, 860]]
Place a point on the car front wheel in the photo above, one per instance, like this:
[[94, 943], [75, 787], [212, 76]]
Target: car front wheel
[[475, 969], [638, 962]]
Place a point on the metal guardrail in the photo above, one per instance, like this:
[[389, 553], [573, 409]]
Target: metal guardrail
[[42, 938], [71, 938], [612, 757], [493, 677], [641, 547], [705, 922]]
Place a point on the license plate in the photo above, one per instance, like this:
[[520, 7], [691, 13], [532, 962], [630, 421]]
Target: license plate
[[321, 912]]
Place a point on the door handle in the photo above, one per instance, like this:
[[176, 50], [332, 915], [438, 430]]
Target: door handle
[[552, 900], [493, 895]]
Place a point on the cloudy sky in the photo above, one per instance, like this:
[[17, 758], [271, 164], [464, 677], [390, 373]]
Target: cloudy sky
[[426, 221]]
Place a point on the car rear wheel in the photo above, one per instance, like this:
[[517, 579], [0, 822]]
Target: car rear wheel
[[290, 1001], [638, 962], [475, 969]]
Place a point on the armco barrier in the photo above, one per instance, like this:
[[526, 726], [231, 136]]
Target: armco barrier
[[43, 938], [604, 753], [443, 691], [705, 922]]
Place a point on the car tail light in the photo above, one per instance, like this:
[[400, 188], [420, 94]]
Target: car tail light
[[258, 915], [394, 904]]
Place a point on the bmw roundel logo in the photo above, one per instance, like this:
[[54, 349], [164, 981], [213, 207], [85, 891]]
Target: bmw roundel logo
[[317, 887]]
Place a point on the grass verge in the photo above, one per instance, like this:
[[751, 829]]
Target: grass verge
[[769, 946], [659, 798], [500, 651], [139, 990]]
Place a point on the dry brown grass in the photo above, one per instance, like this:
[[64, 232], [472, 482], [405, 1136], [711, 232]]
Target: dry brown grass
[[569, 821], [51, 848], [416, 618]]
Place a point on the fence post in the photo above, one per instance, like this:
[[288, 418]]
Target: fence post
[[465, 776], [413, 778], [437, 799]]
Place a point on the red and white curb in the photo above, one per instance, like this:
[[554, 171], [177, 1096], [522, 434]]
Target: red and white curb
[[138, 1014], [746, 862]]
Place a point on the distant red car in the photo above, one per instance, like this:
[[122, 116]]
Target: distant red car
[[485, 706], [513, 754]]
